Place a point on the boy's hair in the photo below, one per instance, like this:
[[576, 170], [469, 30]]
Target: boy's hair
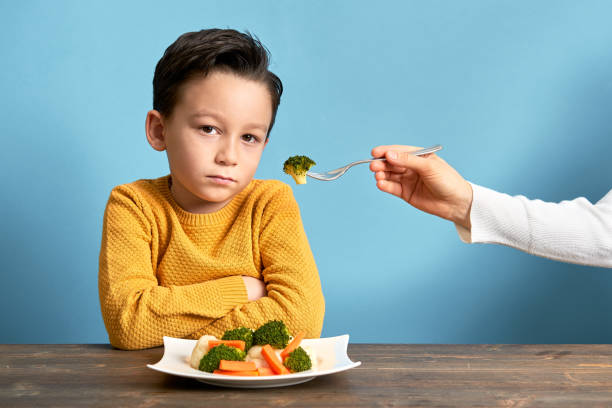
[[199, 53]]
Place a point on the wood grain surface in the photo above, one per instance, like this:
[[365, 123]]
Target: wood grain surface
[[390, 376]]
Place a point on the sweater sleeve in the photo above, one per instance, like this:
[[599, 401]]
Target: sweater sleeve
[[289, 271], [136, 309], [575, 231]]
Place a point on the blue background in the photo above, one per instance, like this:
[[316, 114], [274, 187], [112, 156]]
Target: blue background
[[518, 92]]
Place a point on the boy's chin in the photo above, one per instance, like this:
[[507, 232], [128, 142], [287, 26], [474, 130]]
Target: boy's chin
[[217, 197]]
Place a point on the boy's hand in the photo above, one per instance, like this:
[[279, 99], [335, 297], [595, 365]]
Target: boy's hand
[[427, 182], [256, 288]]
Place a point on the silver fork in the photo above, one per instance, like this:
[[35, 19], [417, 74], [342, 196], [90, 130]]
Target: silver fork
[[334, 174]]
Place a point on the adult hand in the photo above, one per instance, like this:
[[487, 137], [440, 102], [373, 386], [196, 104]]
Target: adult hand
[[425, 182], [256, 288]]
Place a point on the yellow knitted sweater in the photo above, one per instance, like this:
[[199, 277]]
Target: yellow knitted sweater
[[167, 272]]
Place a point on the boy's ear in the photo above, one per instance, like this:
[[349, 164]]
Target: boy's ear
[[154, 128]]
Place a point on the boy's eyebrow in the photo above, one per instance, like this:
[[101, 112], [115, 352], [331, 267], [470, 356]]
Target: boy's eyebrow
[[257, 126], [205, 113], [201, 114], [220, 117]]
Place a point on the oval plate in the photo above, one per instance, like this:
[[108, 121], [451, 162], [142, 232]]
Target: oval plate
[[331, 352]]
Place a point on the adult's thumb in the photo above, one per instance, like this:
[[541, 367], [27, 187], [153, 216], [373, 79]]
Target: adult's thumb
[[404, 159]]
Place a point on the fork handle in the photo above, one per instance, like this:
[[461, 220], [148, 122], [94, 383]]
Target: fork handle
[[428, 150]]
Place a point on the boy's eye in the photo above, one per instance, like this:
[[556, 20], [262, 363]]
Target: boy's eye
[[250, 138], [208, 129]]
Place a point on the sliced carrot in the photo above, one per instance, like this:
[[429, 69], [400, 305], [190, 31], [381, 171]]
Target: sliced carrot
[[239, 344], [273, 361], [229, 365], [251, 373], [295, 343], [265, 371]]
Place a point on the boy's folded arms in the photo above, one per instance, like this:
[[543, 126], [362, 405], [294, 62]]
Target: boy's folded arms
[[164, 275]]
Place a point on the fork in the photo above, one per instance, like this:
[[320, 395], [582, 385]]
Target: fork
[[334, 174]]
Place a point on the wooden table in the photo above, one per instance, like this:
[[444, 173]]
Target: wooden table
[[390, 375]]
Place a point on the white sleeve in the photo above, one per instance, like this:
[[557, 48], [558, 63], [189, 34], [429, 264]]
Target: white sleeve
[[571, 231]]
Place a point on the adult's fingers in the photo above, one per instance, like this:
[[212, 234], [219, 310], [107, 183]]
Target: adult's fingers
[[385, 166], [390, 187], [379, 151], [407, 160], [378, 166], [387, 175]]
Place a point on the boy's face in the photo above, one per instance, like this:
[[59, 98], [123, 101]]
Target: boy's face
[[214, 139]]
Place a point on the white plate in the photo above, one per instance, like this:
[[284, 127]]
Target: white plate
[[331, 352]]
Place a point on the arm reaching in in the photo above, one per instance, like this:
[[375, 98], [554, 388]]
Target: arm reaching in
[[574, 231]]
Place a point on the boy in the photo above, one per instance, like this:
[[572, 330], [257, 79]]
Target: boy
[[207, 248]]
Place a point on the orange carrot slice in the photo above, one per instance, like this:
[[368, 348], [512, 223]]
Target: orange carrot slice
[[265, 371], [229, 365], [295, 343], [273, 361], [239, 344], [252, 373]]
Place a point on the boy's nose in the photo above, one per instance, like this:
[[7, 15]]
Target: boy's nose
[[227, 153]]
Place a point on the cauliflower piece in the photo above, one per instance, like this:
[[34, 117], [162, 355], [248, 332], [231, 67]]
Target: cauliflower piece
[[254, 355], [200, 349]]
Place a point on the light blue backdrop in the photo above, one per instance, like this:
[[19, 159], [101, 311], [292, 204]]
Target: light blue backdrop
[[518, 92]]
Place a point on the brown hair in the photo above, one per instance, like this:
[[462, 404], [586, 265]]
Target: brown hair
[[202, 52]]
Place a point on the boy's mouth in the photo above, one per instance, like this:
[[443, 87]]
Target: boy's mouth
[[221, 179]]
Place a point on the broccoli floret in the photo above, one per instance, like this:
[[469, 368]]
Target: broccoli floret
[[242, 333], [210, 361], [274, 333], [297, 166], [298, 360]]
